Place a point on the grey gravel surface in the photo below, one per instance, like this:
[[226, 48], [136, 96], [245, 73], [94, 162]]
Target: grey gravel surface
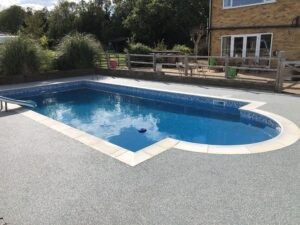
[[47, 178]]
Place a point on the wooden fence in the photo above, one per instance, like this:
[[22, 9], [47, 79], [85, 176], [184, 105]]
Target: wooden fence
[[267, 69]]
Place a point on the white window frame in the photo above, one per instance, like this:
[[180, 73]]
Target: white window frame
[[239, 6], [245, 36]]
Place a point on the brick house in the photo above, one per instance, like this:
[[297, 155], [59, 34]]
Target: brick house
[[254, 28]]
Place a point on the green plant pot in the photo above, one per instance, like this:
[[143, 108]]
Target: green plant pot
[[232, 72], [212, 61]]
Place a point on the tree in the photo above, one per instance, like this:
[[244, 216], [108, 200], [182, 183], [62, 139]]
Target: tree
[[151, 21], [94, 18], [62, 20], [116, 32], [145, 21], [35, 24], [12, 19], [197, 34]]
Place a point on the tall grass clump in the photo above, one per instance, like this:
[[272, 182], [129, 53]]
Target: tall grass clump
[[78, 51], [20, 56]]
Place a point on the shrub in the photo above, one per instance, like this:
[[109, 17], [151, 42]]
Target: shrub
[[44, 42], [161, 46], [48, 60], [78, 51], [182, 49], [19, 56], [138, 48]]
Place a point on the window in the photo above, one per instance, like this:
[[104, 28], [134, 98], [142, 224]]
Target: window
[[249, 45], [239, 3]]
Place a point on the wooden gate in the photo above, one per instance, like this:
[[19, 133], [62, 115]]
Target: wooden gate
[[288, 72]]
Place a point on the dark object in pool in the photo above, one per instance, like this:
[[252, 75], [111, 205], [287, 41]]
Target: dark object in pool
[[142, 130]]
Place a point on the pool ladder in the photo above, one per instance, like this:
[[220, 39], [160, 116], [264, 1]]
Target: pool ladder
[[5, 100]]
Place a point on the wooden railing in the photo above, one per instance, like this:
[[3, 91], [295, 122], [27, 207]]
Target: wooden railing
[[192, 65], [263, 69]]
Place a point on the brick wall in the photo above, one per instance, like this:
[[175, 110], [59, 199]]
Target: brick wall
[[281, 12]]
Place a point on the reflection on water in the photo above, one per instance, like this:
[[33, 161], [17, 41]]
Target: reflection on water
[[111, 123]]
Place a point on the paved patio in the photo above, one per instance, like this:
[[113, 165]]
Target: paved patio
[[48, 178]]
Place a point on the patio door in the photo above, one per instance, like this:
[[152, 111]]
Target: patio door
[[245, 46], [251, 49], [238, 47], [248, 45]]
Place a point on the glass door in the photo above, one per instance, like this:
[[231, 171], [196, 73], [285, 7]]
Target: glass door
[[265, 45], [238, 46], [251, 46]]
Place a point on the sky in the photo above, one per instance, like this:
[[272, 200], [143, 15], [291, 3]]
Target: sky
[[35, 4]]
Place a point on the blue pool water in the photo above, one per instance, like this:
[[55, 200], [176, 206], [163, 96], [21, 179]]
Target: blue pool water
[[118, 118]]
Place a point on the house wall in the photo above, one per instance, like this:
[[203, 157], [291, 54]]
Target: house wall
[[231, 21], [281, 12]]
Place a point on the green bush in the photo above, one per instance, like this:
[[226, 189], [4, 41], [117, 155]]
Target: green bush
[[44, 42], [138, 48], [78, 51], [48, 60], [182, 49], [19, 56], [161, 46]]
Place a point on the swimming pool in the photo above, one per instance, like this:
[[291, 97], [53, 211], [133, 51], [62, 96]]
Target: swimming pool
[[135, 118]]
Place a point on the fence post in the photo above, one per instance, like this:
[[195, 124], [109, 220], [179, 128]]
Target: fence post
[[280, 71], [154, 62], [186, 65], [226, 66], [128, 61]]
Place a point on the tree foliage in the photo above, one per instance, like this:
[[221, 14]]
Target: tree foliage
[[94, 18], [146, 21], [62, 20], [12, 19], [150, 21], [35, 23]]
